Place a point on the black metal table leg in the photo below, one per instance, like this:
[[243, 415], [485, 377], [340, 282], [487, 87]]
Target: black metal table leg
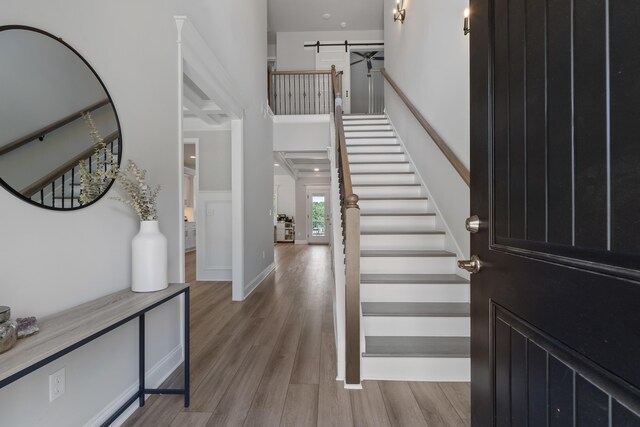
[[187, 343], [141, 361]]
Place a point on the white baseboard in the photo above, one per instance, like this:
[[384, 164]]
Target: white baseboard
[[154, 377], [251, 286], [215, 274], [301, 242]]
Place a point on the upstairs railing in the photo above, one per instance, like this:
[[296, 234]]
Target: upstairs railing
[[437, 139], [61, 187], [351, 238], [301, 92]]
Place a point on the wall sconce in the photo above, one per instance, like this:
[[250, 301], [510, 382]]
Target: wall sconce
[[466, 22], [399, 12]]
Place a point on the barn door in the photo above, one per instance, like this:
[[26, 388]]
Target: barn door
[[336, 55], [555, 148]]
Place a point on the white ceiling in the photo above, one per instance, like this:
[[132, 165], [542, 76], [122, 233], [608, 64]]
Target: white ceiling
[[306, 15], [302, 164]]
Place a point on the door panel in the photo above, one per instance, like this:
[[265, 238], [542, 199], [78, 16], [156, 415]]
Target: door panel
[[555, 163], [337, 56], [319, 212]]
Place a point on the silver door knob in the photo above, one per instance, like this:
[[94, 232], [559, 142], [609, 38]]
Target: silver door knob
[[473, 265], [472, 224]]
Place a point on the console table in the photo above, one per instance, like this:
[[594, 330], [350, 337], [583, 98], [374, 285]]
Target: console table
[[66, 331]]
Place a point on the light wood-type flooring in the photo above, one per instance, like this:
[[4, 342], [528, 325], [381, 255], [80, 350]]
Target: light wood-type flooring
[[270, 361]]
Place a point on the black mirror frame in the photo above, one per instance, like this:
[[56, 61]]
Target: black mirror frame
[[14, 192]]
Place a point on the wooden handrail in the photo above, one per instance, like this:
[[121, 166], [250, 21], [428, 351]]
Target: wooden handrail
[[290, 73], [351, 235], [50, 128], [442, 145], [65, 167]]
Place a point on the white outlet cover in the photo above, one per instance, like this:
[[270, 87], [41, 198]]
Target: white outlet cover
[[57, 385]]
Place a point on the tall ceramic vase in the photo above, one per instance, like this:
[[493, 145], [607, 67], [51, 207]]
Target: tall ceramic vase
[[149, 259]]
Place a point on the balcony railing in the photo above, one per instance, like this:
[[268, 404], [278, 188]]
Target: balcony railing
[[301, 92]]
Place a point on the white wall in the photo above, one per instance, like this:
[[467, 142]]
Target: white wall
[[301, 203], [301, 133], [428, 56], [286, 188], [215, 159], [50, 261], [292, 55]]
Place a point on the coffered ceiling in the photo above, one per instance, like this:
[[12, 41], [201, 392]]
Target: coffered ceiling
[[306, 164]]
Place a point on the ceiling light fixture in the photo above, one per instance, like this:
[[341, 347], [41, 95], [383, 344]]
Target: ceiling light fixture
[[276, 164], [193, 157], [316, 170], [326, 16], [343, 24], [399, 12]]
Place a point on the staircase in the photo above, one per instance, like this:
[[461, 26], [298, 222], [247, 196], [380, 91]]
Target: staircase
[[415, 308]]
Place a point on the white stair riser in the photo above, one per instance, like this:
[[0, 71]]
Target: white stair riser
[[384, 178], [407, 265], [393, 292], [366, 122], [389, 191], [397, 223], [388, 133], [359, 126], [416, 369], [394, 206], [390, 326], [370, 141], [377, 157], [380, 167], [352, 149], [402, 242], [365, 116]]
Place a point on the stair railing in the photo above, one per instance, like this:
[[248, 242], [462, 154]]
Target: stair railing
[[300, 92], [62, 182], [351, 239], [437, 139]]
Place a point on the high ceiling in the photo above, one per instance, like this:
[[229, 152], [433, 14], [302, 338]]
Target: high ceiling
[[307, 15]]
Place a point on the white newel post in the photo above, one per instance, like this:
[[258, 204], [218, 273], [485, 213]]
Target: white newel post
[[149, 259]]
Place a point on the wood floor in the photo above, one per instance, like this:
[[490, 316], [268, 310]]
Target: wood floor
[[270, 361]]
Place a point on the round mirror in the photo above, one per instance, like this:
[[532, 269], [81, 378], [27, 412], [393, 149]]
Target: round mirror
[[60, 142]]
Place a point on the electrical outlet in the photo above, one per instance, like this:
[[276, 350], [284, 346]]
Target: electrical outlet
[[56, 385]]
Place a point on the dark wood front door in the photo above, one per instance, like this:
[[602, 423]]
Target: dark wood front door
[[555, 164]]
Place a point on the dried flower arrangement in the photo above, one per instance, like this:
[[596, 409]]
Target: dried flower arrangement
[[94, 183], [140, 197]]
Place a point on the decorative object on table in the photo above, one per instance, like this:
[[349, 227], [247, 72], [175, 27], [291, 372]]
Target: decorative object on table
[[27, 326], [94, 182], [5, 313], [8, 330], [149, 246]]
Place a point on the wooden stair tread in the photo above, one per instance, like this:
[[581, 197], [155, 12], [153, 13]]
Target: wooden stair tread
[[393, 233], [382, 173], [388, 162], [394, 198], [416, 309], [413, 279], [455, 347], [387, 185], [398, 214], [406, 253]]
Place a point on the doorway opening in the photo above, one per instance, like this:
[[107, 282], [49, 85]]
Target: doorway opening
[[367, 82], [318, 215], [190, 181]]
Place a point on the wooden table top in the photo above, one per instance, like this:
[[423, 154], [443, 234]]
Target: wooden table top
[[68, 328]]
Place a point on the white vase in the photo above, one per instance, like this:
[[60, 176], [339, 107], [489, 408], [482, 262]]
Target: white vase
[[149, 259]]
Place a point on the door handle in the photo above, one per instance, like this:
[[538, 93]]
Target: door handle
[[472, 224], [473, 265]]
